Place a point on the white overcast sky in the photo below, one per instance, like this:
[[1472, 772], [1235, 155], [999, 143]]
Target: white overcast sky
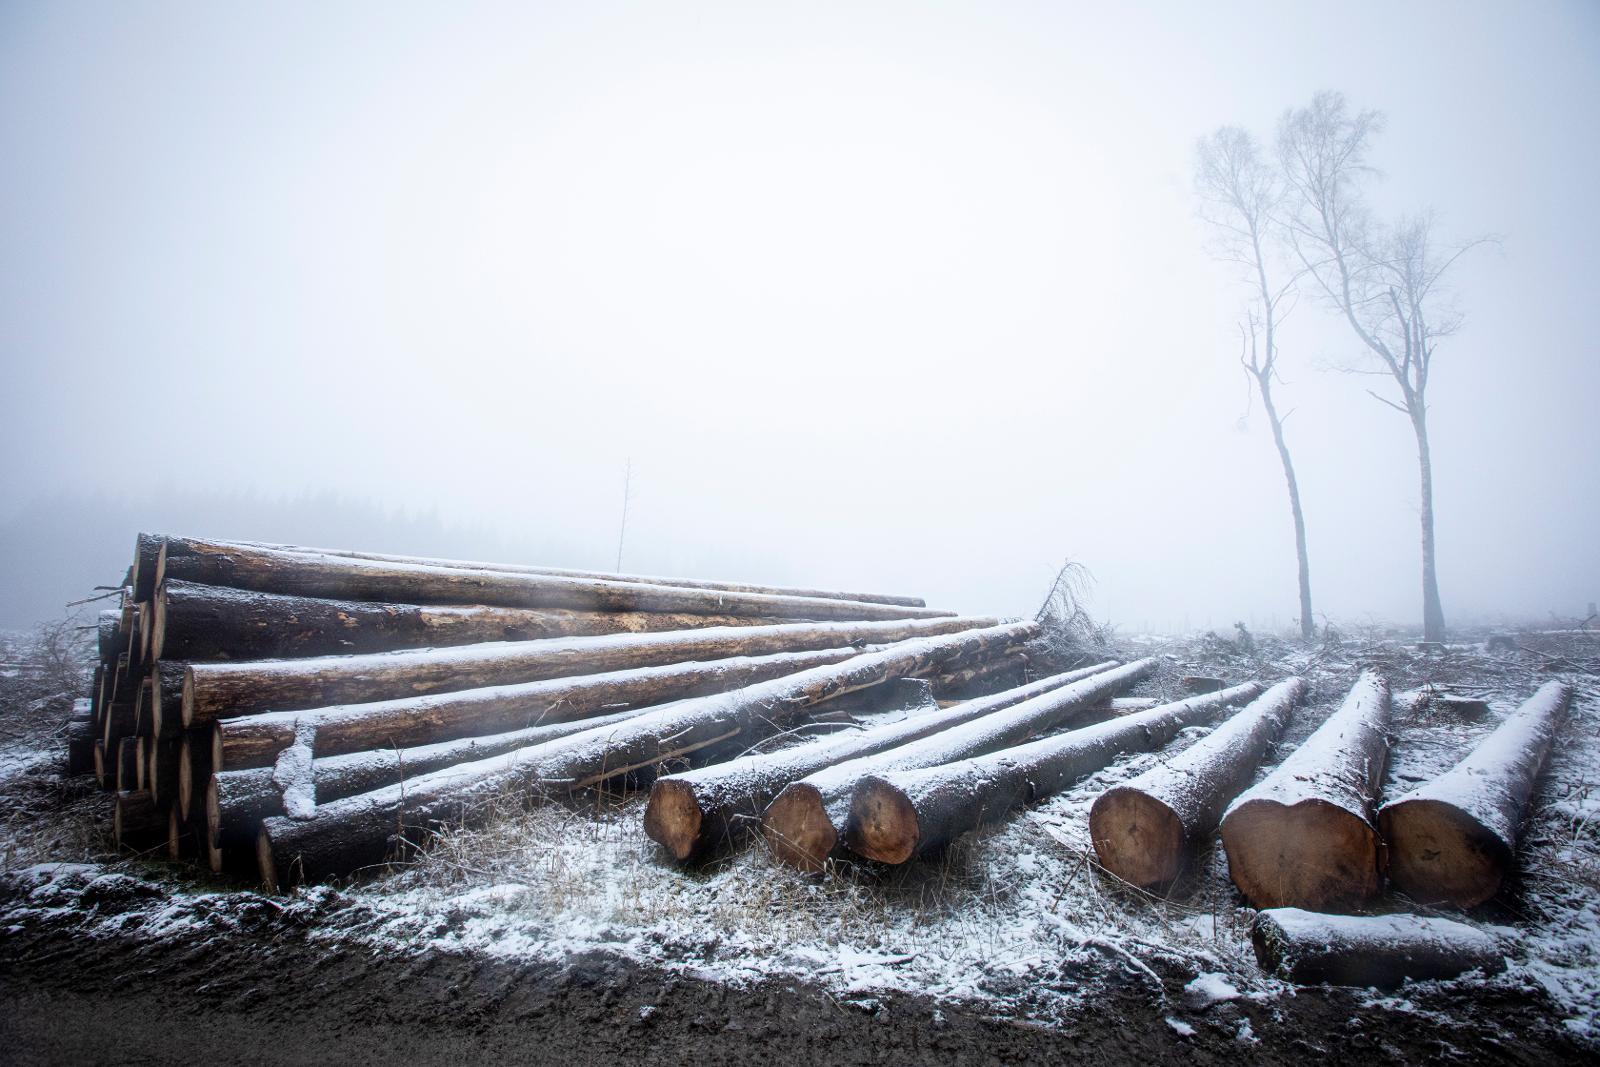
[[908, 297]]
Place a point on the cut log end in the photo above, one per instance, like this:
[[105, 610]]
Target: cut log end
[[1439, 854], [797, 828], [883, 823], [673, 817], [1373, 950], [1137, 837], [1312, 855]]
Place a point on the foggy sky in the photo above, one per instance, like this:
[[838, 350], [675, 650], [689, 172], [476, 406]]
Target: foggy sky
[[898, 297]]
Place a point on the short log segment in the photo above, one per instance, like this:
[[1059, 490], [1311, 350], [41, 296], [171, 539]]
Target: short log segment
[[1369, 950], [1304, 836], [1453, 840], [205, 622], [694, 813], [137, 823], [805, 824], [108, 634], [897, 816], [217, 690], [1143, 830], [268, 570], [358, 830]]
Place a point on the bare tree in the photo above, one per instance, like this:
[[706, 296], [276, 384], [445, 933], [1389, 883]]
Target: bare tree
[[1386, 281], [1240, 196]]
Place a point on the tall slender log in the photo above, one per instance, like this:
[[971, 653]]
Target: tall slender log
[[1369, 950], [216, 690], [194, 769], [207, 622], [108, 633], [805, 824], [358, 830], [256, 740], [1143, 829], [899, 815], [1304, 836], [696, 812], [136, 823], [1453, 840], [269, 570]]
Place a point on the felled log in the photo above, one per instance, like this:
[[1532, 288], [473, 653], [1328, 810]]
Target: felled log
[[80, 747], [194, 769], [1304, 836], [269, 570], [127, 764], [163, 757], [216, 690], [166, 698], [898, 815], [108, 634], [358, 830], [121, 720], [105, 766], [805, 824], [256, 740], [1369, 950], [994, 673], [1453, 840], [695, 812], [137, 823], [146, 560], [1143, 829], [183, 838], [237, 800], [206, 622]]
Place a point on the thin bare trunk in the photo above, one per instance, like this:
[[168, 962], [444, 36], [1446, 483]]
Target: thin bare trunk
[[1308, 627], [1432, 609]]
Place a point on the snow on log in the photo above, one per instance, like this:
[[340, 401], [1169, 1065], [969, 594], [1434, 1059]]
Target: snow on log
[[1304, 836], [213, 691], [1369, 950], [805, 824], [899, 815], [359, 830], [166, 698], [108, 634], [269, 570], [256, 740], [1142, 830], [516, 568], [695, 812], [136, 822], [1453, 840], [208, 622]]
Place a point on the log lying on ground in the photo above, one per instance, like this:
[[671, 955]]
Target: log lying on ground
[[80, 747], [207, 622], [121, 720], [137, 823], [358, 830], [108, 633], [166, 698], [1369, 950], [256, 740], [899, 815], [268, 570], [695, 812], [805, 824], [237, 800], [990, 674], [1453, 840], [216, 690], [1143, 829], [1304, 837]]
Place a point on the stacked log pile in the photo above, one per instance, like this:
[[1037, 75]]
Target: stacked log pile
[[244, 684]]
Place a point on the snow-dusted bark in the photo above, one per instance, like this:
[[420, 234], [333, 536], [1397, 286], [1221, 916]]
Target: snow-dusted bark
[[1304, 836], [805, 824], [1369, 950], [1454, 839], [899, 815], [1143, 829], [693, 812], [136, 822], [218, 690]]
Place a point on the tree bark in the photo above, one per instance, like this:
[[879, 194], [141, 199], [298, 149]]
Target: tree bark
[[194, 770], [1304, 836], [80, 747], [137, 824], [1143, 829], [1432, 609], [1369, 950], [105, 767], [697, 812], [268, 570], [204, 622], [127, 764], [359, 830], [1453, 840], [1308, 626], [146, 560], [164, 755], [166, 698], [108, 633], [1007, 672], [805, 824], [256, 740], [899, 815], [216, 690]]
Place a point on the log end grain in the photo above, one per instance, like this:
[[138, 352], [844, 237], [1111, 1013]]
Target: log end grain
[[1439, 854], [673, 817], [1312, 855], [1137, 837], [883, 823], [797, 828]]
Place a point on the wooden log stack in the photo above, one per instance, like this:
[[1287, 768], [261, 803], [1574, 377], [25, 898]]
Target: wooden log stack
[[246, 682]]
